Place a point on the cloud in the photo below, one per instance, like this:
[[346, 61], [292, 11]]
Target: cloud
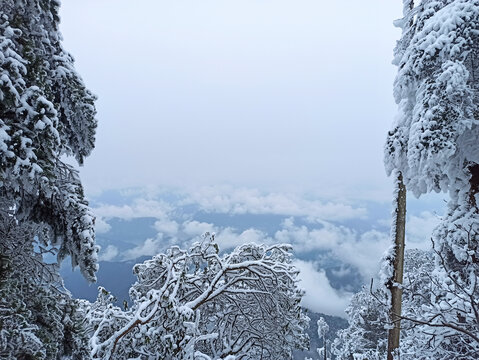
[[196, 228], [348, 246], [305, 240], [167, 226], [230, 200], [363, 251], [419, 229], [320, 296], [108, 254], [228, 238], [149, 247], [357, 250], [341, 272], [101, 226], [140, 208]]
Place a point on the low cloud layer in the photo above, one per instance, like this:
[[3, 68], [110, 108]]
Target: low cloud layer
[[347, 246], [252, 201], [149, 248], [138, 209], [319, 231], [101, 226], [319, 295], [109, 253]]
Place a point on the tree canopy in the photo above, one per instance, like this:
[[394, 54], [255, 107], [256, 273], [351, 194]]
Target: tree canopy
[[196, 304]]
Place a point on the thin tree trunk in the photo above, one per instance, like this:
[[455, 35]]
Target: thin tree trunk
[[398, 266]]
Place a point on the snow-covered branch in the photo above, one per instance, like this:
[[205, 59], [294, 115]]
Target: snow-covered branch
[[189, 302]]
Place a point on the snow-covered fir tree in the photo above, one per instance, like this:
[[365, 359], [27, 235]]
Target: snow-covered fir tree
[[46, 113], [434, 144], [196, 304], [323, 329], [38, 318]]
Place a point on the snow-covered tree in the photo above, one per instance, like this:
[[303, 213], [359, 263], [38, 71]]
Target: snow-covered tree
[[38, 319], [431, 307], [196, 304], [428, 329], [442, 313], [323, 329], [368, 315], [46, 113], [366, 335], [434, 144], [432, 140]]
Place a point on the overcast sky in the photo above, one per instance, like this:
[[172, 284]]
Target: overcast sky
[[273, 94]]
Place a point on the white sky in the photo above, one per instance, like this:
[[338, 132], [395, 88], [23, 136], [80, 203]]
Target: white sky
[[274, 94]]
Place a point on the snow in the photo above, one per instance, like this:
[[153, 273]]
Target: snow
[[432, 134]]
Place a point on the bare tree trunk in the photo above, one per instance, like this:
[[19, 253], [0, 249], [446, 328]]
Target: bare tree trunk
[[398, 266]]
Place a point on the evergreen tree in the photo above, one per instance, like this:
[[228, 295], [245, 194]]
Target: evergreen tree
[[38, 318], [432, 140], [434, 144], [323, 329], [45, 114]]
